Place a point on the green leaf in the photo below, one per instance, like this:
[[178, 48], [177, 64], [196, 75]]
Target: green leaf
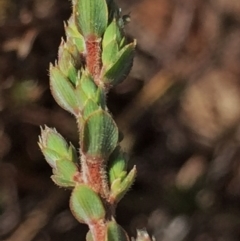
[[100, 98], [122, 43], [89, 107], [64, 173], [60, 156], [74, 35], [54, 147], [121, 68], [120, 186], [72, 154], [66, 63], [112, 33], [51, 156], [86, 205], [86, 89], [100, 135], [65, 169], [115, 232], [91, 17], [117, 165], [62, 182], [109, 53], [88, 85], [81, 97], [63, 91]]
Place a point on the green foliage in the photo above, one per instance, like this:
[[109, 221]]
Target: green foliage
[[86, 205], [91, 17], [117, 71], [60, 156], [117, 165], [63, 91], [99, 136], [54, 147], [121, 185], [115, 232], [94, 57]]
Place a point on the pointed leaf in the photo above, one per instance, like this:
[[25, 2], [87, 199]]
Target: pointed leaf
[[89, 107], [109, 53], [72, 154], [100, 98], [73, 34], [86, 89], [112, 33], [63, 91], [86, 205], [100, 135], [65, 171], [72, 48], [81, 97], [51, 156], [54, 147], [117, 165], [115, 232], [67, 64], [88, 85], [62, 182], [121, 68], [91, 17], [120, 187]]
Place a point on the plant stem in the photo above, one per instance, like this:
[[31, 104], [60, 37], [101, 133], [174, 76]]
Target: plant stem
[[94, 58], [94, 175]]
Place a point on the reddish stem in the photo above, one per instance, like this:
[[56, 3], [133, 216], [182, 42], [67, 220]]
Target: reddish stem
[[94, 175], [98, 230], [93, 57]]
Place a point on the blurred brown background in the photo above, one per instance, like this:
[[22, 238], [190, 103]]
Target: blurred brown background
[[179, 111]]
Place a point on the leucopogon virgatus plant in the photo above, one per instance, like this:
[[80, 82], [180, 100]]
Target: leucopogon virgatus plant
[[95, 57]]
